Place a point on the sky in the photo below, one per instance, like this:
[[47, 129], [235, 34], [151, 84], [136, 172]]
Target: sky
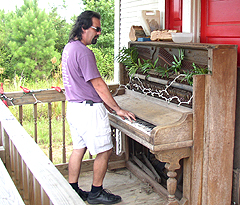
[[73, 6]]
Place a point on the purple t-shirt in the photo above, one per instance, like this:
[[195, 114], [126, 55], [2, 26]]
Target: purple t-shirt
[[78, 68]]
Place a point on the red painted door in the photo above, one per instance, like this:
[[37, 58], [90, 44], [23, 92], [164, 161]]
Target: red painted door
[[220, 22], [173, 15]]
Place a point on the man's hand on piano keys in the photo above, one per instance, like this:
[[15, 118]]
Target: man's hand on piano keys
[[126, 114]]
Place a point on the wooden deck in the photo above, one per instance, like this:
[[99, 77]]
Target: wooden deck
[[122, 182]]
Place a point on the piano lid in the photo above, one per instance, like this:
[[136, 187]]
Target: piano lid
[[150, 109]]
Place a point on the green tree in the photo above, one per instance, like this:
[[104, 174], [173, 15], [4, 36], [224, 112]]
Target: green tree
[[5, 53], [104, 49], [62, 27], [104, 63], [106, 9], [32, 42]]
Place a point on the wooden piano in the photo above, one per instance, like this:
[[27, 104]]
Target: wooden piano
[[200, 132]]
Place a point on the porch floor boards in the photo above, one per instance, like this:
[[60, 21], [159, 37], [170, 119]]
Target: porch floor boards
[[122, 182]]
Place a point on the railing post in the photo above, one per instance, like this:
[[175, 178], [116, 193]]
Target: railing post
[[1, 134], [2, 150], [30, 186], [25, 195], [16, 167], [35, 121], [63, 132], [50, 129], [37, 192], [20, 108], [7, 152], [12, 160], [20, 168]]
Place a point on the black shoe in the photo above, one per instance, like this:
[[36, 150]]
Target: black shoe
[[103, 197], [83, 194]]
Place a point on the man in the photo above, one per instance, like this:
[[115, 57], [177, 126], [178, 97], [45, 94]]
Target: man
[[87, 93]]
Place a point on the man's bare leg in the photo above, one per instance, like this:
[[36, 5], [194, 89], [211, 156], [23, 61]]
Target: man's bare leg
[[100, 167], [74, 168], [74, 165], [98, 195]]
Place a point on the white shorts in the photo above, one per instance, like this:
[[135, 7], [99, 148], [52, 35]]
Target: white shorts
[[89, 126]]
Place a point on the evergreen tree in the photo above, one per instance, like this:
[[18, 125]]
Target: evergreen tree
[[32, 42], [62, 27], [5, 53]]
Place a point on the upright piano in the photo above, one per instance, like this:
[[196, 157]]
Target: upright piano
[[177, 121]]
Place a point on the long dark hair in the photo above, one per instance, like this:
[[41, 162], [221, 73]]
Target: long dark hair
[[84, 20]]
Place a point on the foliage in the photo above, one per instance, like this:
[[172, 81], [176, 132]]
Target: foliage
[[106, 40], [147, 65], [104, 63], [106, 9], [62, 27], [175, 69], [177, 63], [195, 71], [32, 42], [5, 53], [129, 58]]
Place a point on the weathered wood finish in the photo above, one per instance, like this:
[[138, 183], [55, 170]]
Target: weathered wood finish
[[172, 158], [48, 96], [38, 180], [208, 161], [41, 96], [214, 135], [168, 118], [170, 140], [8, 194], [45, 96]]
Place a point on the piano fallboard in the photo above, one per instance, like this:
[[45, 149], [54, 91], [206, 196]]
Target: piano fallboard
[[173, 124]]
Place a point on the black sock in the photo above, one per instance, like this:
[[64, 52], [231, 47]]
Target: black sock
[[74, 186], [96, 188]]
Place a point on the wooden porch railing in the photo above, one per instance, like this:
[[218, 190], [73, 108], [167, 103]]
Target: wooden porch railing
[[44, 96], [35, 97], [37, 179]]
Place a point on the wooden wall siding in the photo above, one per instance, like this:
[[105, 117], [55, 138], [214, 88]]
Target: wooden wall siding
[[129, 15]]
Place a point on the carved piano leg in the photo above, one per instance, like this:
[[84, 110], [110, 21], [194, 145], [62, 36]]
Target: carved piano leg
[[172, 158]]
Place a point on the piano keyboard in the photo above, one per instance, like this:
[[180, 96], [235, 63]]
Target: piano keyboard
[[140, 124]]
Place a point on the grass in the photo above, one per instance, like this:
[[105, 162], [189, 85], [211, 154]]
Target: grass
[[42, 119]]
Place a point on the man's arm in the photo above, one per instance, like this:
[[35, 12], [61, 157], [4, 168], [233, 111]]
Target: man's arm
[[102, 89]]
